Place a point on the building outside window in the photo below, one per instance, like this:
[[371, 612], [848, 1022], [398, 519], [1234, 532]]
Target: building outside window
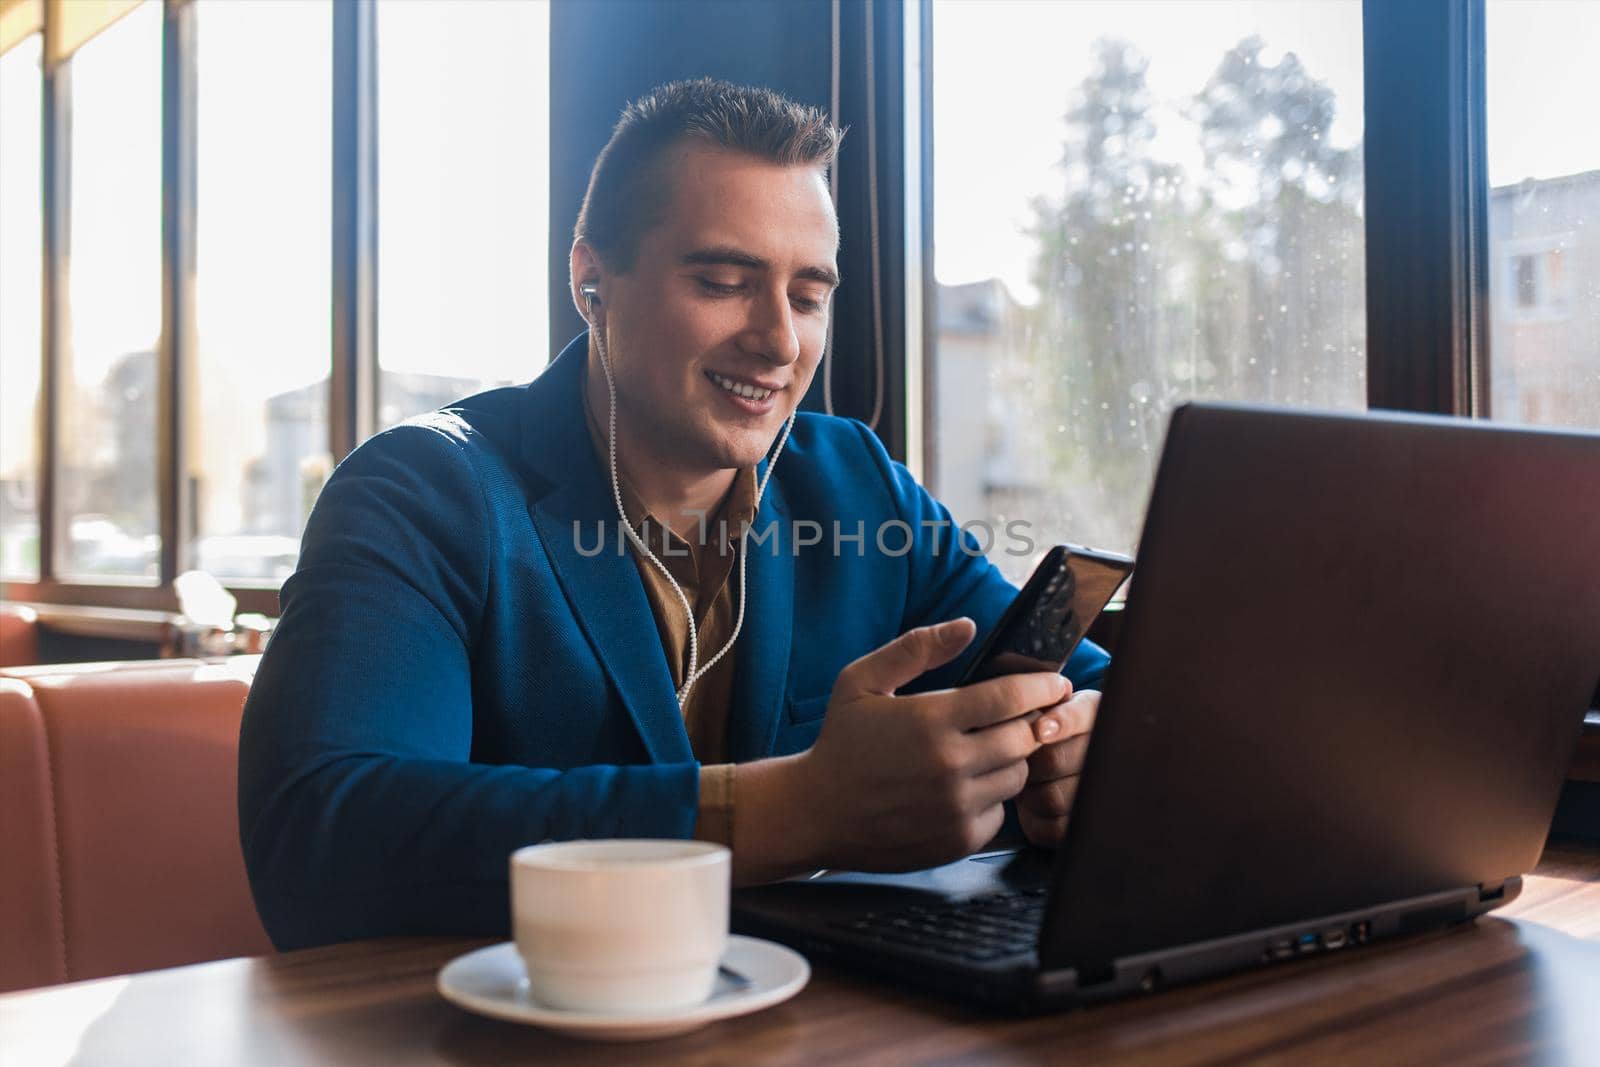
[[1544, 212]]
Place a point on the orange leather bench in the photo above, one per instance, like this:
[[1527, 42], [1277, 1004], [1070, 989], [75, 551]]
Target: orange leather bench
[[119, 841], [19, 635]]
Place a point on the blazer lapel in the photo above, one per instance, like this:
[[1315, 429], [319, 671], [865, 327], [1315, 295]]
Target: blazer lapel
[[602, 587], [761, 672], [609, 601]]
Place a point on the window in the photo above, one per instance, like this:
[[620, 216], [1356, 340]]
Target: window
[[1535, 284], [463, 232], [463, 215], [107, 472], [20, 300], [1526, 270], [1136, 205], [1544, 212], [264, 160]]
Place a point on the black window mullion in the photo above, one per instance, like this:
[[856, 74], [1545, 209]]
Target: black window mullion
[[176, 358], [1472, 94], [927, 352], [1426, 206], [353, 401], [870, 311], [55, 189]]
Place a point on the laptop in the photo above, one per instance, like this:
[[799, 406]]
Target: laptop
[[1352, 672]]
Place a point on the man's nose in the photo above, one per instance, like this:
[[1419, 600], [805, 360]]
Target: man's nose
[[771, 333]]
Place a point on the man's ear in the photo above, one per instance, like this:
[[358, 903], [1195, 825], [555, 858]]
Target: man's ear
[[587, 280]]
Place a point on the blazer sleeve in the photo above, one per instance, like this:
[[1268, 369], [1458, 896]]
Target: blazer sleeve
[[361, 813], [950, 576]]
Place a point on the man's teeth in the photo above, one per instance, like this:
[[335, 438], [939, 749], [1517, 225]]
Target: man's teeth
[[749, 392]]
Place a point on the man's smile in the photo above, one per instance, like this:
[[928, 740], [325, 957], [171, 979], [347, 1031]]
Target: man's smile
[[756, 398]]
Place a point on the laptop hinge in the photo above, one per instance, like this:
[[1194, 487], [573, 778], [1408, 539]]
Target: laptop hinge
[[1488, 892]]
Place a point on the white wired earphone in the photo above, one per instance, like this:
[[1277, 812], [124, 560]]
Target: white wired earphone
[[591, 297]]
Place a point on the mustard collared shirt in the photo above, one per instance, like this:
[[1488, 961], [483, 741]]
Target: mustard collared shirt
[[703, 568]]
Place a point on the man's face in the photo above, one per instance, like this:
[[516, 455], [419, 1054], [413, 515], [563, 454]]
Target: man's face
[[729, 294]]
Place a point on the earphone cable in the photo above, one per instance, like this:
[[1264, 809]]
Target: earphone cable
[[694, 671]]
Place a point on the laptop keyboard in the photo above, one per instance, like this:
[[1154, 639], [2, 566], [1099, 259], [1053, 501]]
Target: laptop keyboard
[[979, 929]]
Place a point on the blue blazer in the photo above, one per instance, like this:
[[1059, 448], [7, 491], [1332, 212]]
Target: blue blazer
[[457, 673]]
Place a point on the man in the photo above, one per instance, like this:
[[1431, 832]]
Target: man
[[471, 657]]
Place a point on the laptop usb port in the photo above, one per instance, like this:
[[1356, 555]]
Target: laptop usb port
[[1307, 943], [1333, 939]]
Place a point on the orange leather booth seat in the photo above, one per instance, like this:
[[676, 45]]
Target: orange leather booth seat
[[19, 635], [119, 841]]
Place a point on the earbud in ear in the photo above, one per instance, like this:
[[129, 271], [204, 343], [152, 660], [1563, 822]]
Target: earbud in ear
[[591, 295]]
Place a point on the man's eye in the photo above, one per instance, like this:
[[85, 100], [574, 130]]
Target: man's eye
[[809, 304], [720, 290]]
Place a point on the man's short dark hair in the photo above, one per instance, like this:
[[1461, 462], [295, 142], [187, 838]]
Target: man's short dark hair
[[628, 193]]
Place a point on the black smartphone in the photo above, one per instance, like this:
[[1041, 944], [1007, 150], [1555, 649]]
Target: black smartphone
[[1051, 614]]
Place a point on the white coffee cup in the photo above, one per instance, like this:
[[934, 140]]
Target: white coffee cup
[[620, 927]]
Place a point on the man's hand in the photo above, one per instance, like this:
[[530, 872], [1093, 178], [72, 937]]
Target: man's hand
[[1045, 804], [902, 782]]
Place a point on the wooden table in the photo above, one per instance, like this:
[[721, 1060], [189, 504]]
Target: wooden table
[[1521, 985]]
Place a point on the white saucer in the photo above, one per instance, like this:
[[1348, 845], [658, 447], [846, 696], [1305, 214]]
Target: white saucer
[[493, 982]]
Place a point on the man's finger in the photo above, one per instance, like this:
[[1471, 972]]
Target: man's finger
[[883, 670], [1058, 760], [1068, 719], [999, 785], [1050, 800], [999, 699], [998, 746], [1046, 833]]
